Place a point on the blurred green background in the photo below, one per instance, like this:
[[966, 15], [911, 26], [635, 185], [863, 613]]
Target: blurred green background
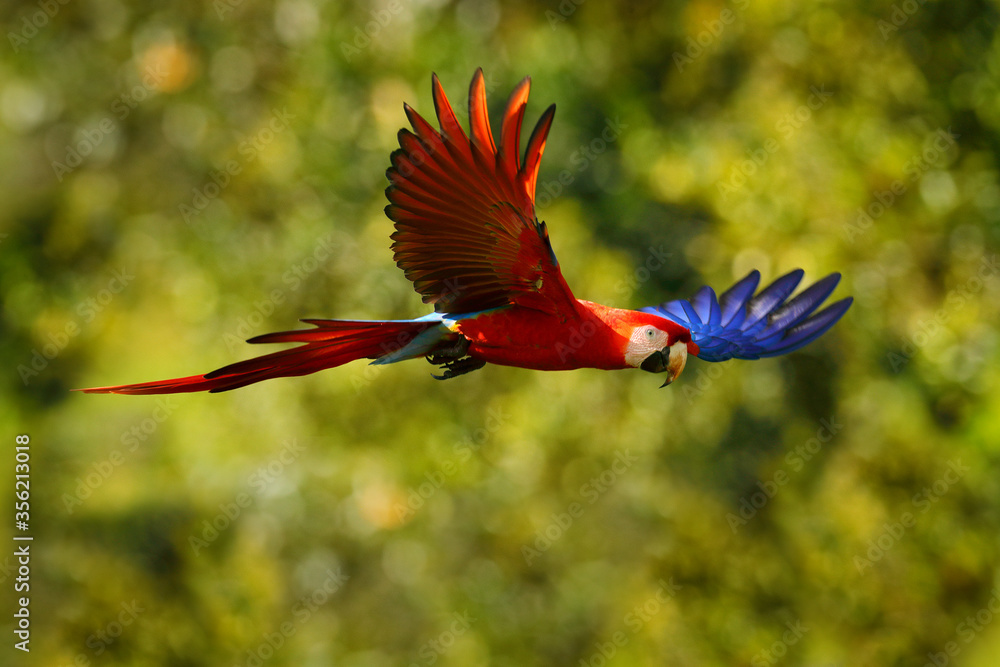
[[179, 178]]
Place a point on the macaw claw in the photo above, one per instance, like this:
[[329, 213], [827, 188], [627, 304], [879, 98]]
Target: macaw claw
[[458, 367]]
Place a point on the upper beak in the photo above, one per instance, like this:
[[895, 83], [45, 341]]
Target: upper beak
[[676, 356]]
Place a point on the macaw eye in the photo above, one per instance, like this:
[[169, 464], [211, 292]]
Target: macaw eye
[[650, 333]]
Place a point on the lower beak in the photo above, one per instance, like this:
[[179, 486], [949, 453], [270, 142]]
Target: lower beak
[[656, 362]]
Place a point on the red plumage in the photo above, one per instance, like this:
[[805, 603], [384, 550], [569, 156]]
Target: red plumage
[[332, 343], [467, 236], [466, 232], [594, 337]]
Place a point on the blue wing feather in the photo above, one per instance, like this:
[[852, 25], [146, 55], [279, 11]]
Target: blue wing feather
[[773, 295], [743, 326], [706, 306], [801, 306], [734, 299], [805, 333]]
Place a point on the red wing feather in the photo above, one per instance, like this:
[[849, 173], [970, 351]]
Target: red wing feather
[[464, 210]]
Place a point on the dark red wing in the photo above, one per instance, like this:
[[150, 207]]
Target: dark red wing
[[466, 232]]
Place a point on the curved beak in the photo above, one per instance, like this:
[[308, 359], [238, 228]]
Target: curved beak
[[656, 362], [670, 359]]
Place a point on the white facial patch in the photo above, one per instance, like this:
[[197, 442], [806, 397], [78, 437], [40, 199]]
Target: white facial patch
[[645, 341]]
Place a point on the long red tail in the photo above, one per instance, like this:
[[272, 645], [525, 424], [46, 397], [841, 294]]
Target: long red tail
[[330, 344]]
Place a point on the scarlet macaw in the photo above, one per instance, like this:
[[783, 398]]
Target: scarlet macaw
[[468, 238]]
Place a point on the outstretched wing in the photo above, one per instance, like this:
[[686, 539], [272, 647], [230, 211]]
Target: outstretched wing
[[466, 232], [741, 325]]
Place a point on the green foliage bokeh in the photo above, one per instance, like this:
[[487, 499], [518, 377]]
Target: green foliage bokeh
[[179, 178]]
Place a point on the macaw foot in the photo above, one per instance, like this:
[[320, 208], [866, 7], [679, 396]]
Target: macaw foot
[[453, 360], [457, 367], [456, 350]]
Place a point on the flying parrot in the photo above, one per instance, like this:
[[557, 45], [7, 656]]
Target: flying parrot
[[467, 236]]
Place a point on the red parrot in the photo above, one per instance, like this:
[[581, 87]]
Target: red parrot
[[467, 236]]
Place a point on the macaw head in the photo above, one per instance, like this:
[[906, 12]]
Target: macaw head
[[657, 344]]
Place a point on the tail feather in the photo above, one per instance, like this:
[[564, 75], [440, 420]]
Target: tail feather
[[331, 343]]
